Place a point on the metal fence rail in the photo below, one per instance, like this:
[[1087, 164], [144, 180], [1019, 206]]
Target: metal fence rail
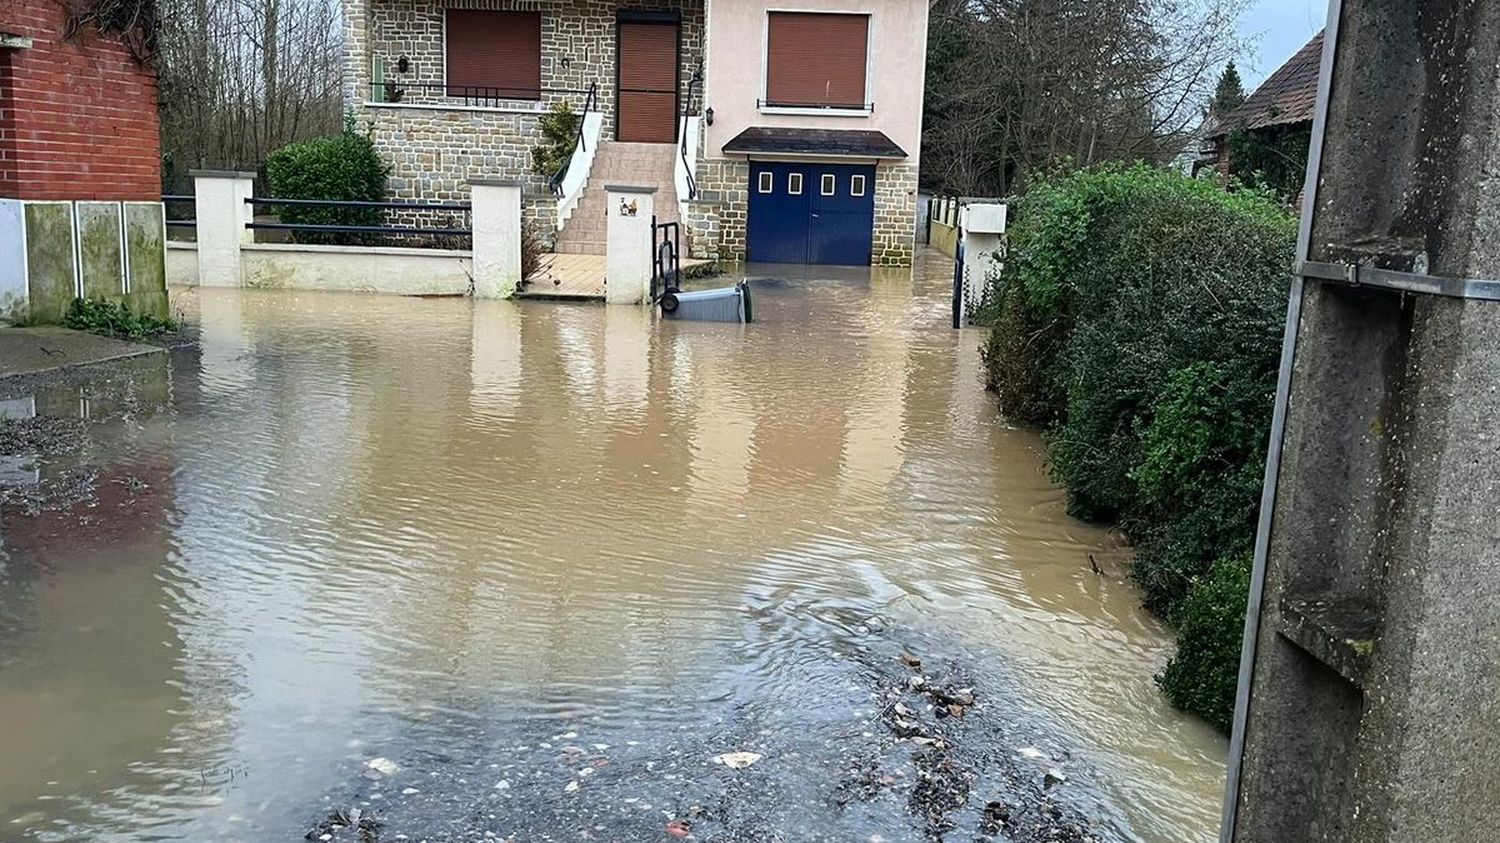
[[180, 199], [355, 205]]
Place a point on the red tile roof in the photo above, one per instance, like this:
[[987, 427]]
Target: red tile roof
[[1290, 95]]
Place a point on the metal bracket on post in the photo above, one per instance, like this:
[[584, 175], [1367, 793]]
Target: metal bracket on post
[[1362, 275]]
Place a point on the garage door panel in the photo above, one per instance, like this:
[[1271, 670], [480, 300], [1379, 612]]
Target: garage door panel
[[830, 221], [779, 214]]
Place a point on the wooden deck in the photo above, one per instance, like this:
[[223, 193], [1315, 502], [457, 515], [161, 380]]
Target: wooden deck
[[581, 277]]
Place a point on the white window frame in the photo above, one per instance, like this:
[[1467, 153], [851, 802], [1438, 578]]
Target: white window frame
[[829, 111], [828, 184], [859, 179], [766, 182], [791, 179]]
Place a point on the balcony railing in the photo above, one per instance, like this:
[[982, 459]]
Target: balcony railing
[[481, 96], [820, 106]]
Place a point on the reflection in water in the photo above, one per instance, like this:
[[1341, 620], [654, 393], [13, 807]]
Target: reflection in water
[[362, 506]]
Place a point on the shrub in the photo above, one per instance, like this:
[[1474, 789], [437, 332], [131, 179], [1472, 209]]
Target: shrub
[[1139, 320], [559, 127], [1210, 623], [1199, 477], [115, 319], [342, 167]]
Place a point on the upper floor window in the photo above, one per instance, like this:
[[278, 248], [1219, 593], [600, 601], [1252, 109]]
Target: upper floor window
[[817, 60], [495, 55]]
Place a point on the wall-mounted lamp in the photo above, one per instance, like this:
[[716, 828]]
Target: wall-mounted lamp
[[708, 116], [566, 62], [403, 64]]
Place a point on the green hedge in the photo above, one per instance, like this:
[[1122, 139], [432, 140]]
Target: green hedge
[[1139, 319], [1210, 624], [343, 166]]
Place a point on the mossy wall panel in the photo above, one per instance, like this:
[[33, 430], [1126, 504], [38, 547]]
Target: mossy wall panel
[[12, 262], [101, 255], [49, 260], [146, 257]]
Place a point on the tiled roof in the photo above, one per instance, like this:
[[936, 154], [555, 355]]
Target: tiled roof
[[1290, 95], [856, 143]]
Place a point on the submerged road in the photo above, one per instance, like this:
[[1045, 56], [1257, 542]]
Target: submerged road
[[380, 569]]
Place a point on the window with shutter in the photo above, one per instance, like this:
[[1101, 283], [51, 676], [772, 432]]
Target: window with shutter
[[816, 60], [494, 54]]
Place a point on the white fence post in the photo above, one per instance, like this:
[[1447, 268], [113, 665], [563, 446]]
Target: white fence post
[[221, 210], [982, 226], [627, 244], [496, 213]]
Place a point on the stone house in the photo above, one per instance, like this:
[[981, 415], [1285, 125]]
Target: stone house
[[786, 131]]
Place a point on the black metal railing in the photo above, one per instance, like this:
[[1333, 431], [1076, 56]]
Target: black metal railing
[[178, 199], [590, 104], [337, 228], [666, 258], [479, 96], [821, 106], [687, 111]]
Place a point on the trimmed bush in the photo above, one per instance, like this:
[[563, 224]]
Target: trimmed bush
[[343, 167], [1138, 320], [1210, 623]]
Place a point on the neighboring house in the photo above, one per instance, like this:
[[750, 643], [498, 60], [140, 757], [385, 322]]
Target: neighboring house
[[80, 167], [1283, 104], [802, 119]]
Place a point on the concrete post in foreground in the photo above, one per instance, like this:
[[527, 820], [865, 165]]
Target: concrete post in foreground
[[1370, 688], [496, 216], [222, 213], [627, 249]]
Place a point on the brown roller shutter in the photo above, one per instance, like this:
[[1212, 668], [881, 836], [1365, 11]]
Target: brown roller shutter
[[494, 54], [648, 82], [815, 59]]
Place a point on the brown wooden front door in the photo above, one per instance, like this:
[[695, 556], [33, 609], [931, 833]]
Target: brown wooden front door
[[647, 67]]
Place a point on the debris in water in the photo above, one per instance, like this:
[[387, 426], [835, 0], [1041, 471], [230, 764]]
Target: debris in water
[[737, 760], [360, 827], [383, 766], [679, 828]]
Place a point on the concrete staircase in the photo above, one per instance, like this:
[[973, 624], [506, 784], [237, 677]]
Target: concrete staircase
[[635, 164]]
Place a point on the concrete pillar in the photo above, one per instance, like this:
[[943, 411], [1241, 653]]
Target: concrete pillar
[[983, 227], [627, 249], [1370, 688], [497, 237], [222, 213]]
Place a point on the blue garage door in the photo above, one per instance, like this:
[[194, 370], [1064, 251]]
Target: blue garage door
[[811, 213]]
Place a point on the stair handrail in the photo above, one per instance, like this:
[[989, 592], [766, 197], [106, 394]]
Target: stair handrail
[[590, 103], [687, 112]]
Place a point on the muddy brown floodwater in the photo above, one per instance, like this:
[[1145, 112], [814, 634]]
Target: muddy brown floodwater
[[480, 570]]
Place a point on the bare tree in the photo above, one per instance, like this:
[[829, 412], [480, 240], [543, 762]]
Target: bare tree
[[1017, 85], [243, 77]]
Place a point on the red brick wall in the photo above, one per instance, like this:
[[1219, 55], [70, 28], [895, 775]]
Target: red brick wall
[[77, 120]]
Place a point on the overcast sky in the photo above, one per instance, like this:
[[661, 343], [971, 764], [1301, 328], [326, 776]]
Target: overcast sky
[[1278, 28]]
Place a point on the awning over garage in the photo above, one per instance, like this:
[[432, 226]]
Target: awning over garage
[[842, 143]]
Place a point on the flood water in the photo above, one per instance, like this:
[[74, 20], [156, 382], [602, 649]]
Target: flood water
[[451, 533]]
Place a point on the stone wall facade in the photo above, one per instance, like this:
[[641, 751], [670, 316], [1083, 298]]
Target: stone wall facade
[[717, 220], [436, 144], [895, 214]]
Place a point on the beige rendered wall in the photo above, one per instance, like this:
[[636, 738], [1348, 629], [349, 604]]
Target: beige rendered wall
[[735, 69]]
